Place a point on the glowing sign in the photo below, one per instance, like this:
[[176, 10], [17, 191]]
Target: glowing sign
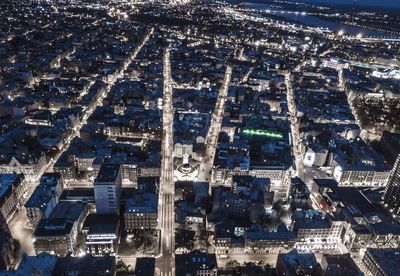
[[262, 132]]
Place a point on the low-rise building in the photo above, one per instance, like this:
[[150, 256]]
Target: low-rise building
[[59, 233], [8, 247], [44, 198], [360, 223], [101, 234], [338, 264], [311, 224], [86, 265], [145, 266], [131, 172], [141, 212], [294, 263], [367, 167], [30, 167], [260, 242], [315, 231], [41, 264], [196, 263]]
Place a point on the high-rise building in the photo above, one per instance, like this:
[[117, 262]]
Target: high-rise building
[[107, 189], [8, 246], [391, 197], [382, 261], [390, 146]]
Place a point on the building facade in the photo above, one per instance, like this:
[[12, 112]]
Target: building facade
[[382, 262], [8, 247], [141, 212], [391, 197], [12, 193], [59, 234], [44, 198], [31, 169], [107, 189], [101, 234]]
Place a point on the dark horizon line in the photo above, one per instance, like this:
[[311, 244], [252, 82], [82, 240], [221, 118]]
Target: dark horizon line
[[386, 8]]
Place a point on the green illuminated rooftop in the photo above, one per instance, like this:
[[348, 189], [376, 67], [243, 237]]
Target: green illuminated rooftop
[[263, 133]]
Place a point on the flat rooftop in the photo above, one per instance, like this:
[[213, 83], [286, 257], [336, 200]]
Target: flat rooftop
[[107, 173], [101, 224], [6, 180], [388, 259], [142, 203]]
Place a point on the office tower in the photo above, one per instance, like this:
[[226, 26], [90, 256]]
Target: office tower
[[391, 197], [107, 189]]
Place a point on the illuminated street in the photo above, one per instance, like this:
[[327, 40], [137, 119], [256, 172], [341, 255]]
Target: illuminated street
[[215, 128], [166, 219], [297, 147]]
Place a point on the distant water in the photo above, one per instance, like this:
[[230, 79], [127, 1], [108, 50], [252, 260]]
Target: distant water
[[319, 22], [374, 4]]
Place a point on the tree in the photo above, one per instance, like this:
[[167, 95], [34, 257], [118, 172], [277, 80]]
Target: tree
[[232, 263], [277, 206]]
